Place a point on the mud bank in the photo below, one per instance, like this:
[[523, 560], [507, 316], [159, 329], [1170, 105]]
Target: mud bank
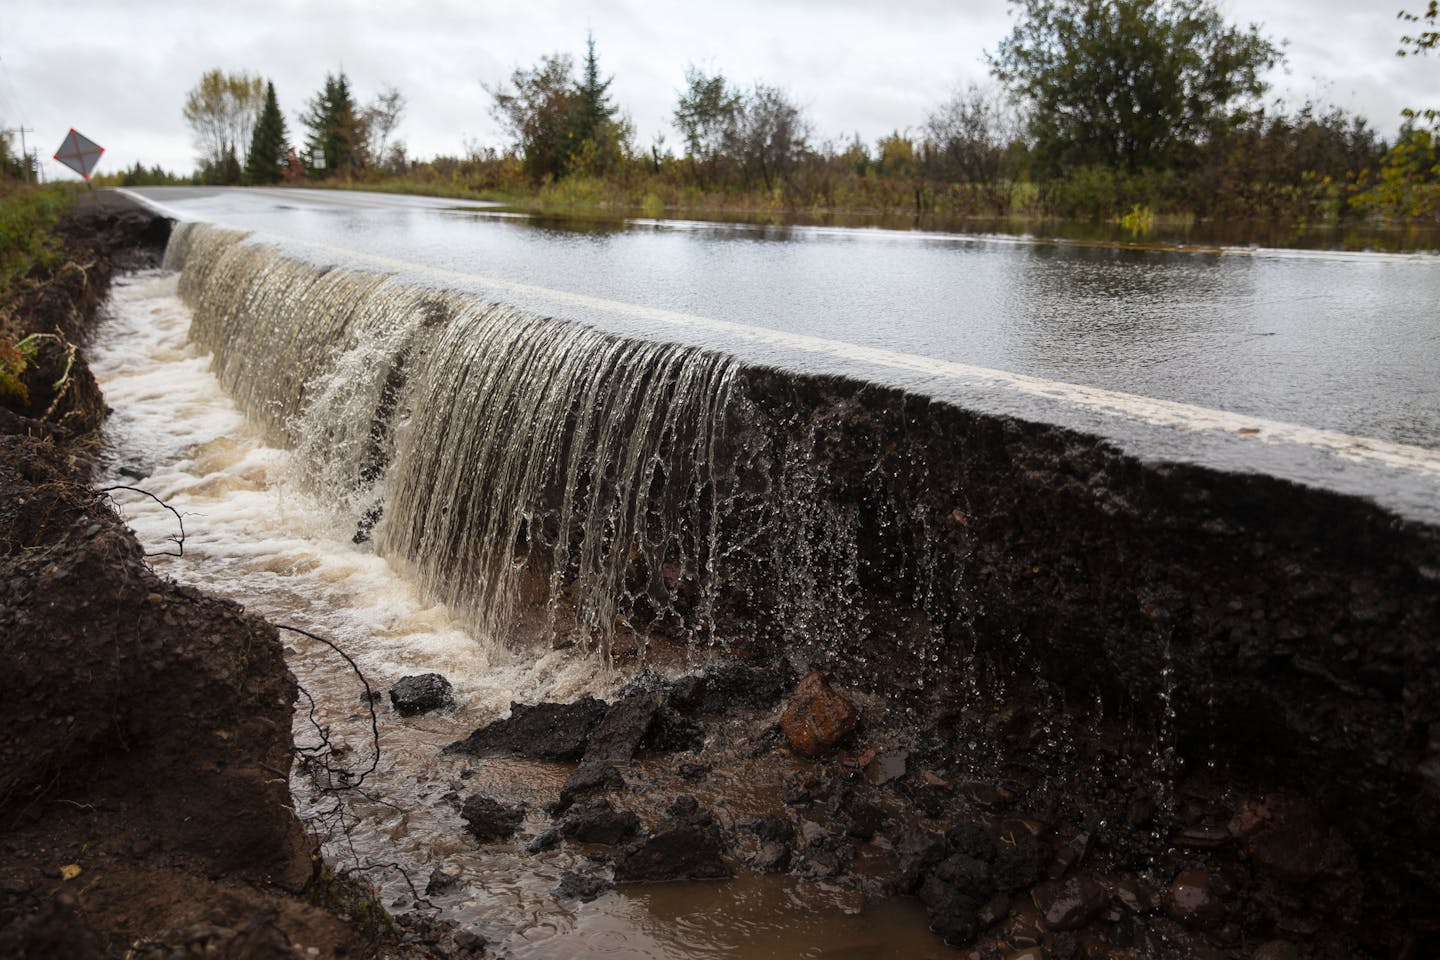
[[1158, 658], [1282, 632], [146, 744]]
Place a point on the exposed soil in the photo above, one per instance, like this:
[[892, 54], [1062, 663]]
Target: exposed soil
[[145, 731], [1063, 847]]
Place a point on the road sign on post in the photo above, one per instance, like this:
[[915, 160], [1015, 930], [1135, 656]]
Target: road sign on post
[[79, 153]]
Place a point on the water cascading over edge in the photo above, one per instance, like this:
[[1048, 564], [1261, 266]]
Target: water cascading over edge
[[540, 477]]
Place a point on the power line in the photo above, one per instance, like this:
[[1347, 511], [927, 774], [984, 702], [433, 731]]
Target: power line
[[24, 151]]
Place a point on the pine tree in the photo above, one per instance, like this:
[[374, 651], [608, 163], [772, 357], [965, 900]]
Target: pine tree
[[595, 132], [269, 143], [334, 128], [593, 109]]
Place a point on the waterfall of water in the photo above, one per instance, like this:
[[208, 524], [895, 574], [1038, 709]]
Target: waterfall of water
[[540, 477]]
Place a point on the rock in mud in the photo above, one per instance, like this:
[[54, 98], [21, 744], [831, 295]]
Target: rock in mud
[[862, 819], [587, 780], [777, 837], [771, 858], [547, 840], [887, 767], [916, 851], [966, 875], [688, 849], [775, 828], [489, 821], [726, 685], [971, 839], [1193, 902], [599, 822], [443, 879], [1070, 904], [421, 694], [818, 719], [822, 855], [1286, 837], [954, 916], [541, 731], [1020, 860], [684, 807], [624, 726], [579, 886], [672, 733]]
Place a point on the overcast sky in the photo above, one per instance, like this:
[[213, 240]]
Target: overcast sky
[[119, 72]]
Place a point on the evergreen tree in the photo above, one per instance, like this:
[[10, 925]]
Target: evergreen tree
[[595, 132], [334, 128], [593, 109], [562, 125], [269, 143]]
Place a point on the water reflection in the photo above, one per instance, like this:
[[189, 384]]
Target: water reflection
[[1348, 236]]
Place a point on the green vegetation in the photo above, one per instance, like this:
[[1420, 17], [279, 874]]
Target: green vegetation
[[350, 900], [29, 247], [561, 125], [221, 110], [140, 175], [269, 146], [28, 215], [334, 145], [1408, 185], [1139, 113], [15, 357], [1128, 85]]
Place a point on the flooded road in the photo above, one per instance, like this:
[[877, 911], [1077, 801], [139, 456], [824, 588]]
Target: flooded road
[[1340, 341], [1322, 368]]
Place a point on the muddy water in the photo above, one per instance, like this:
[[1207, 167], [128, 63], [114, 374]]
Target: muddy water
[[253, 535]]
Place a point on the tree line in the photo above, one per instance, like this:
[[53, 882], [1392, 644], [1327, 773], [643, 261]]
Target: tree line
[[1094, 107], [242, 136]]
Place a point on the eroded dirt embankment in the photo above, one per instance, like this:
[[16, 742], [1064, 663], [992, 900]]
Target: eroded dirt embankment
[[145, 730], [1181, 646]]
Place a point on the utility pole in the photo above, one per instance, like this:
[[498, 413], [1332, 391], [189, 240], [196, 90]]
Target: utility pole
[[24, 154]]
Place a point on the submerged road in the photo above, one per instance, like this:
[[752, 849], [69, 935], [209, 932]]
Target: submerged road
[[1323, 368]]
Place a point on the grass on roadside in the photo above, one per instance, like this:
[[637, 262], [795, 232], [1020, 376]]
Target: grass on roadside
[[28, 215]]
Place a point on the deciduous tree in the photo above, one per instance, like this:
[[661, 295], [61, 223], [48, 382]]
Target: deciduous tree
[[221, 111], [378, 122], [769, 135], [1128, 84], [705, 116], [971, 135], [537, 108]]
